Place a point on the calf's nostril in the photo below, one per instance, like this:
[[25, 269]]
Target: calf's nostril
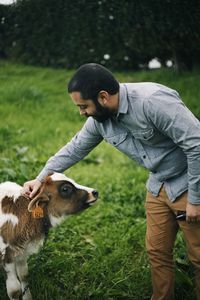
[[95, 193]]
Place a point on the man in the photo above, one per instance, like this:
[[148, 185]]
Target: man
[[149, 123]]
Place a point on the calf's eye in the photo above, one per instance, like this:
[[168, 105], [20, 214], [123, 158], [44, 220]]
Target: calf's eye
[[65, 190]]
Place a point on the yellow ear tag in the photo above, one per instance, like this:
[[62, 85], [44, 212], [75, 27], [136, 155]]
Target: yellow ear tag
[[38, 212]]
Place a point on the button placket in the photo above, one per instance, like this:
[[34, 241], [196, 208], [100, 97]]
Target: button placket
[[144, 156]]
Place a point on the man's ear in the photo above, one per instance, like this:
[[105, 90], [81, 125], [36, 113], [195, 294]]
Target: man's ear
[[103, 98]]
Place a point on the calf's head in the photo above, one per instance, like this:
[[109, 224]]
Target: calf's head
[[62, 196]]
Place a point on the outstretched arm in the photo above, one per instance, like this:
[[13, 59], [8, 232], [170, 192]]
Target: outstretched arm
[[74, 151]]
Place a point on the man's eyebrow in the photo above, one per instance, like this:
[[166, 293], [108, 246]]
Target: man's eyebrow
[[85, 105]]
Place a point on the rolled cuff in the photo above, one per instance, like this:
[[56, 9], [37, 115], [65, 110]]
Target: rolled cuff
[[43, 174], [193, 197]]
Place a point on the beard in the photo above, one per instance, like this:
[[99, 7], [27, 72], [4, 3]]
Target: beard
[[102, 113]]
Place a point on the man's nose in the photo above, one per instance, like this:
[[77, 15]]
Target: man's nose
[[82, 112]]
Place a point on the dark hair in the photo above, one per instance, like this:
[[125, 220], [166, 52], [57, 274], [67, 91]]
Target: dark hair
[[92, 78]]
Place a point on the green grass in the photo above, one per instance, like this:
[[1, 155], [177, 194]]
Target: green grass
[[99, 254]]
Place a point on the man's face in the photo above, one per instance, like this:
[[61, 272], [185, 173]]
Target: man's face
[[88, 108]]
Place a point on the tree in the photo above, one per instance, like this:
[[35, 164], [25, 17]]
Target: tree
[[117, 33]]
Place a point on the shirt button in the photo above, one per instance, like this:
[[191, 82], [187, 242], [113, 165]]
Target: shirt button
[[144, 156], [114, 143]]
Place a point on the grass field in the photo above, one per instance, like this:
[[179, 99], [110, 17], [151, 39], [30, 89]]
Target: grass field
[[99, 254]]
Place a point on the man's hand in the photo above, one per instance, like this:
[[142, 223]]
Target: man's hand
[[30, 188], [192, 213]]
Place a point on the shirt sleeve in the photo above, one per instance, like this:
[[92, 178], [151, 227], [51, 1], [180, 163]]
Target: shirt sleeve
[[80, 145], [171, 117]]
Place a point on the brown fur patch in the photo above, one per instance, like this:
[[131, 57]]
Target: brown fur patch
[[27, 228]]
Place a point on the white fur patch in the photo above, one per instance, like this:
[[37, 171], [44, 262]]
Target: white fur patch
[[8, 218], [56, 221], [59, 177], [10, 189], [33, 247], [3, 247], [12, 282]]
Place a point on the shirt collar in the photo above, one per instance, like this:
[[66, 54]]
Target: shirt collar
[[123, 101]]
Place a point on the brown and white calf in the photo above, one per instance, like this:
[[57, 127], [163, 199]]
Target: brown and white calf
[[24, 223]]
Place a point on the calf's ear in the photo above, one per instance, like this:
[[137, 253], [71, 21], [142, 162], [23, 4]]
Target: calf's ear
[[40, 198]]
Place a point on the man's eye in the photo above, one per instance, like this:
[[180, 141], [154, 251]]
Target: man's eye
[[83, 107]]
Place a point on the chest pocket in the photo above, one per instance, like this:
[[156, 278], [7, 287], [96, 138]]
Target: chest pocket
[[117, 139], [145, 136]]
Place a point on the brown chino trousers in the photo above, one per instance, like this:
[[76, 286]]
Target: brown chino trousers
[[161, 233]]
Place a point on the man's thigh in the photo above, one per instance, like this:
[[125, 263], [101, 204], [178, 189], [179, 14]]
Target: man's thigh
[[162, 226], [191, 231]]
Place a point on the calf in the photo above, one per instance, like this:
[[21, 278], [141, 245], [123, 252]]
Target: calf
[[24, 223]]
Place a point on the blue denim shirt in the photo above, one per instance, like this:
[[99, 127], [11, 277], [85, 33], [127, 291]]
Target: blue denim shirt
[[153, 127]]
